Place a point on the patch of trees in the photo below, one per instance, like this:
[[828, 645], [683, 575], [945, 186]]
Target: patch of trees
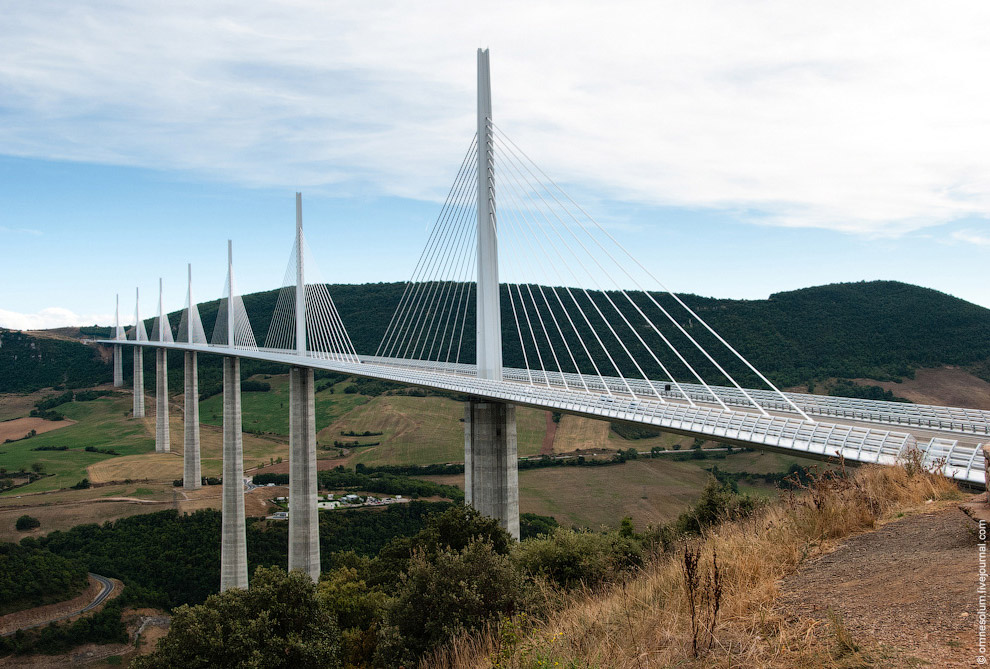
[[50, 448], [631, 431], [411, 470], [373, 479], [366, 433], [389, 484], [795, 477], [32, 577], [371, 387], [105, 451], [90, 395], [579, 461], [844, 388], [26, 522], [30, 363], [167, 559], [252, 386]]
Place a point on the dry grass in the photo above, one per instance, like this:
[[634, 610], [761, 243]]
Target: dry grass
[[645, 622]]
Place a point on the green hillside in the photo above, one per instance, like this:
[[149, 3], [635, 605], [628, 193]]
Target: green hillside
[[878, 329]]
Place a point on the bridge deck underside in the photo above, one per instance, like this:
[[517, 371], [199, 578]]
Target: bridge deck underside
[[668, 410]]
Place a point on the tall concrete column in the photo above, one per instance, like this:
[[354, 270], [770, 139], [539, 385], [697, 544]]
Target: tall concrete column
[[490, 429], [118, 360], [162, 440], [118, 366], [304, 527], [233, 546], [468, 447], [192, 477], [138, 382]]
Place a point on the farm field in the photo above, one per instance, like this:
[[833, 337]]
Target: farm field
[[269, 411], [100, 423], [420, 430], [650, 490]]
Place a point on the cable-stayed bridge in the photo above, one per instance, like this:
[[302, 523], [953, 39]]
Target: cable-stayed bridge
[[536, 280]]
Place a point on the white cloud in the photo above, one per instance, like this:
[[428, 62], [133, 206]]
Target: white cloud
[[868, 118], [22, 231], [50, 317], [971, 237]]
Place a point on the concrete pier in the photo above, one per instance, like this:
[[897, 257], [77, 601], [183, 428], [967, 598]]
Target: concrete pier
[[233, 546], [491, 467], [118, 366], [138, 410], [304, 528], [192, 476], [162, 440]]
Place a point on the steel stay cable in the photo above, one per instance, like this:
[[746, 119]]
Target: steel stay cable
[[593, 303], [400, 308], [663, 337], [557, 324], [580, 339], [458, 227], [669, 292]]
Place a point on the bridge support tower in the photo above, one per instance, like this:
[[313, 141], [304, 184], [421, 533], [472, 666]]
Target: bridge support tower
[[192, 476], [162, 437], [491, 470], [304, 528], [118, 366], [118, 361], [138, 410], [233, 547]]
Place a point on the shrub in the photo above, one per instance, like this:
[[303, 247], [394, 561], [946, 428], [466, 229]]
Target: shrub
[[445, 596], [277, 622], [569, 558], [717, 503], [25, 523]]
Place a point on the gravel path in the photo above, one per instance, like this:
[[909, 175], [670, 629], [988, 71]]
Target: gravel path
[[906, 593]]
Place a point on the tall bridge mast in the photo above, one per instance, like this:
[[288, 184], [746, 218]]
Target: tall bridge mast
[[489, 338], [491, 475]]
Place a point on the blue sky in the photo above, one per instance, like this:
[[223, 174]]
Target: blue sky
[[738, 150]]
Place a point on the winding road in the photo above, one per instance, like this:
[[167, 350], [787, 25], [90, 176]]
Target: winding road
[[106, 588]]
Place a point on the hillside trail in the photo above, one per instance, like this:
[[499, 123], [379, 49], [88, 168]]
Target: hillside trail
[[906, 593]]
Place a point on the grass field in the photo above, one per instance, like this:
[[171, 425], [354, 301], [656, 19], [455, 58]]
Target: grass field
[[100, 423], [15, 405], [651, 491], [421, 430], [269, 411]]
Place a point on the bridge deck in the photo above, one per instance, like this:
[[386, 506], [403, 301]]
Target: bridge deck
[[939, 428]]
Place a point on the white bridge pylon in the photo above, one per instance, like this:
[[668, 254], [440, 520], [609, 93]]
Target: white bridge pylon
[[306, 319]]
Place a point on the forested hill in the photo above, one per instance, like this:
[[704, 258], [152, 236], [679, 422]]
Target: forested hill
[[878, 329]]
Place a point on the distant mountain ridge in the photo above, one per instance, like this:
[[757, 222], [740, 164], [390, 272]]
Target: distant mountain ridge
[[876, 329]]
